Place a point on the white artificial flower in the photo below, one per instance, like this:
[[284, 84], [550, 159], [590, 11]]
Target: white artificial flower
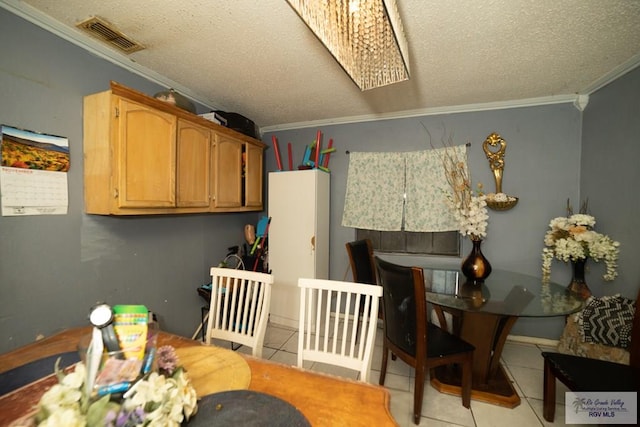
[[66, 417], [582, 219], [150, 390], [473, 218], [187, 394], [61, 396], [572, 238], [76, 378], [162, 401]]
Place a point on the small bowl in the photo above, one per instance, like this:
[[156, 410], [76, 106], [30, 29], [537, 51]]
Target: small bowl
[[502, 205]]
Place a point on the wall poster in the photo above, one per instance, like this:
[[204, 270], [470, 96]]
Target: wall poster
[[33, 178]]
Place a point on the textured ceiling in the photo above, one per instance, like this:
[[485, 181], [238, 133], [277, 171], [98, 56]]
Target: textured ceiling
[[257, 58]]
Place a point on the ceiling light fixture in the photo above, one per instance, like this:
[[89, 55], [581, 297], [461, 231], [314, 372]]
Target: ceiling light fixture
[[365, 37]]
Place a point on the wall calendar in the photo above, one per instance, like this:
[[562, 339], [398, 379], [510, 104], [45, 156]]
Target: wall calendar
[[33, 175]]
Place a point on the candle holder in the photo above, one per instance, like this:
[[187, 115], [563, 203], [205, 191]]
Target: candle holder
[[497, 201]]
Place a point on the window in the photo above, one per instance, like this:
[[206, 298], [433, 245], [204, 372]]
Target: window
[[438, 243]]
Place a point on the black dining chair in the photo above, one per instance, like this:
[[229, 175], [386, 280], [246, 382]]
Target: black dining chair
[[362, 265], [411, 337], [361, 260], [585, 374]]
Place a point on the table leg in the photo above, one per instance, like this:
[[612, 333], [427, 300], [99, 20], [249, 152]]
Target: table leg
[[488, 333]]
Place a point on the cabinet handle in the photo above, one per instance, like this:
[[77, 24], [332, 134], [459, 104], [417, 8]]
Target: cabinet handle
[[115, 193], [313, 243]]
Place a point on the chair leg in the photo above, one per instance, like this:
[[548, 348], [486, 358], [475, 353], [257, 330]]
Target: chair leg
[[549, 393], [466, 382], [418, 393], [383, 367]]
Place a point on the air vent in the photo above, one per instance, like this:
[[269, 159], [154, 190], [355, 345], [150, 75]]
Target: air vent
[[102, 30]]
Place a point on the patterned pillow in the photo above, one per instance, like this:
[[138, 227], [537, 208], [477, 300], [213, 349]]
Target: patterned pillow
[[608, 320]]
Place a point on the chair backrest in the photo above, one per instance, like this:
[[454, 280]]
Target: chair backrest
[[330, 331], [361, 260], [239, 307], [404, 306]]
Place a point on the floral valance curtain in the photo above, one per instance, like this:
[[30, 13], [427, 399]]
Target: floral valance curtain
[[375, 191], [377, 184], [426, 207]]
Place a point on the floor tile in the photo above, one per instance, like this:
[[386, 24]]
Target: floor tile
[[276, 337], [401, 407], [286, 358], [486, 415], [393, 366], [525, 355], [291, 345], [529, 381], [338, 371], [392, 382], [559, 416], [445, 407]]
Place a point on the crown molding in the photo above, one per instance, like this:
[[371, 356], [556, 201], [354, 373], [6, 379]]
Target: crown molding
[[487, 106], [614, 74], [579, 100]]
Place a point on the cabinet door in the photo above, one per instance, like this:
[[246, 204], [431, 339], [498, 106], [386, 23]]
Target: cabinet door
[[146, 156], [226, 172], [253, 175], [194, 153]]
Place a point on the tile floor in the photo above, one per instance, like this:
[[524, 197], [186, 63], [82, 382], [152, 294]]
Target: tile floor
[[522, 360]]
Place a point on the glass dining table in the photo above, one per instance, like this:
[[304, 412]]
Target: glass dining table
[[483, 315]]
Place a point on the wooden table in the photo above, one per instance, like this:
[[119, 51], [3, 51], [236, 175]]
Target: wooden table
[[324, 400], [483, 315]]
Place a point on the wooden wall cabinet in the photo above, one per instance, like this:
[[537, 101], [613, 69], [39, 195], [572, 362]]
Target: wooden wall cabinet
[[238, 181], [253, 174], [194, 149], [226, 160], [144, 156]]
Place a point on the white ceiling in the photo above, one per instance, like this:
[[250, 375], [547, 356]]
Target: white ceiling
[[257, 58]]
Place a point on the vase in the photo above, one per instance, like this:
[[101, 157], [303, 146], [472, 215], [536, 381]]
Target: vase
[[578, 285], [476, 267]]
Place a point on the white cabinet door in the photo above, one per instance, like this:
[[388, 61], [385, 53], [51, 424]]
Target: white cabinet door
[[298, 237]]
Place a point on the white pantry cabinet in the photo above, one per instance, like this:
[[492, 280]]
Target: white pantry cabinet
[[298, 237]]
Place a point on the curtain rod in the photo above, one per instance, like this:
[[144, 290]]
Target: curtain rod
[[468, 144]]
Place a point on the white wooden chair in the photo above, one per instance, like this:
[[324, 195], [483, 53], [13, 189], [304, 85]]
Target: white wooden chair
[[329, 328], [239, 307]]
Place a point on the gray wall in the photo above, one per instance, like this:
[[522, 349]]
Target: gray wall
[[54, 268], [610, 175]]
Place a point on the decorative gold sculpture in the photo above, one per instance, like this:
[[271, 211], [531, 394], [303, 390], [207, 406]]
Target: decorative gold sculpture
[[498, 201]]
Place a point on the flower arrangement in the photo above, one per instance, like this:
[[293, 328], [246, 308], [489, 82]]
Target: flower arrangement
[[162, 398], [469, 210], [572, 238]]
